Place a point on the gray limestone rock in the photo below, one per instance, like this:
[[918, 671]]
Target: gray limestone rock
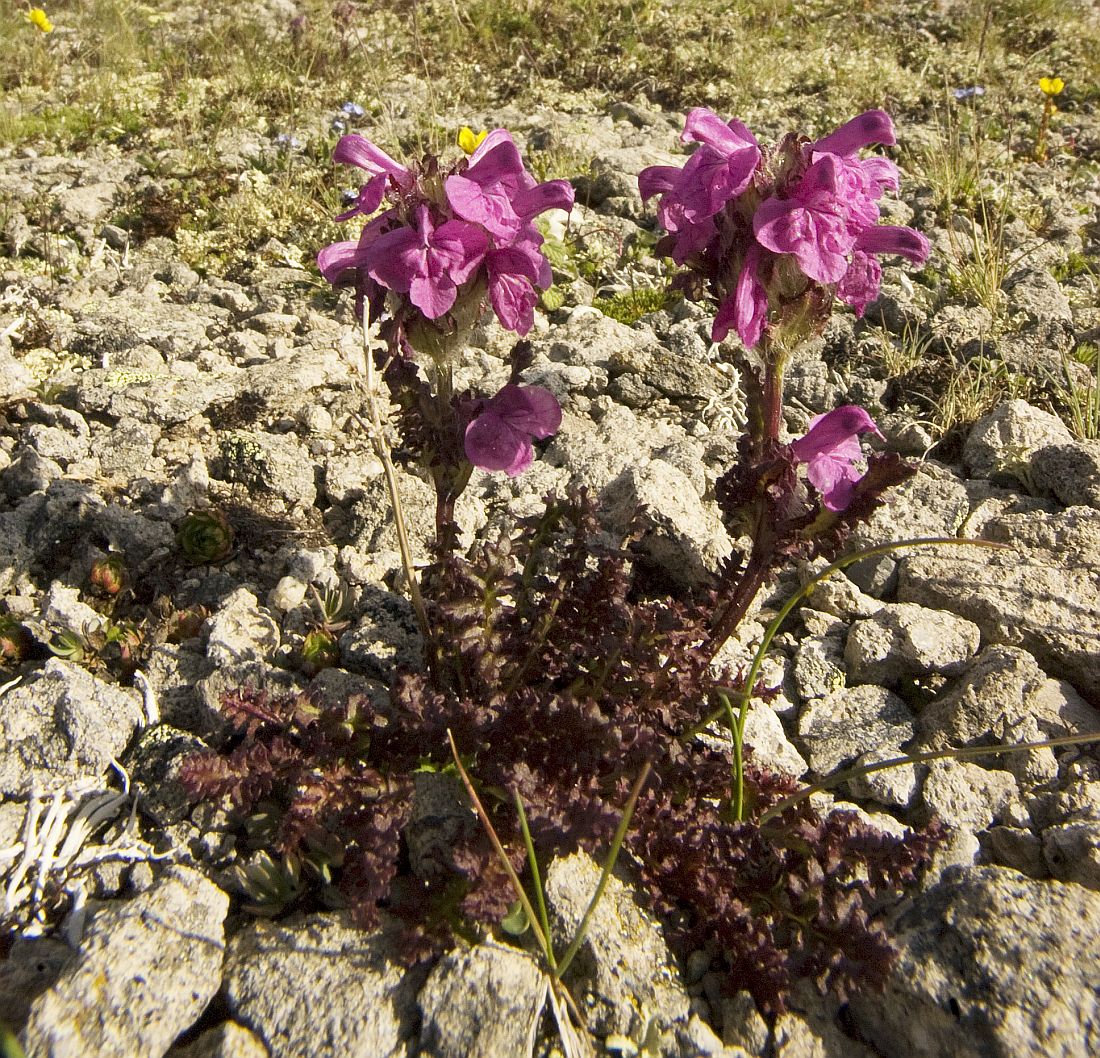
[[314, 985], [933, 503], [125, 451], [1071, 472], [902, 641], [268, 462], [32, 966], [819, 666], [241, 630], [684, 535], [966, 796], [154, 765], [1072, 852], [1043, 595], [837, 729], [145, 971], [992, 963], [60, 724], [165, 397], [52, 442], [623, 961], [485, 1002], [770, 745], [1003, 442], [895, 786]]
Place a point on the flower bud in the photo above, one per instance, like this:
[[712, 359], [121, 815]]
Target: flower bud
[[108, 575], [15, 641]]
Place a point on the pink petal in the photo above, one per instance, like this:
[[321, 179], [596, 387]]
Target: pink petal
[[750, 301], [459, 248], [513, 300], [492, 444], [370, 198], [554, 194], [533, 409], [396, 258], [490, 143], [860, 285], [882, 172], [710, 180], [337, 259], [889, 239], [657, 180], [490, 206], [872, 126], [358, 150], [833, 430], [433, 295], [835, 479], [704, 126]]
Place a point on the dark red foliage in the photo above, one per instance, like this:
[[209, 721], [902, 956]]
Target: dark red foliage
[[559, 679], [304, 768]]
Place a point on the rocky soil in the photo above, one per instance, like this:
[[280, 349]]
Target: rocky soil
[[135, 389]]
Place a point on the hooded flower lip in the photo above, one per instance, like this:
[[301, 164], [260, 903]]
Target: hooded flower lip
[[500, 436], [428, 263], [830, 449], [868, 128], [747, 310], [720, 169], [359, 151]]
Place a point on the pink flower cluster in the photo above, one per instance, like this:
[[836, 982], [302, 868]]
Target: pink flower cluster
[[446, 235], [443, 242], [743, 215]]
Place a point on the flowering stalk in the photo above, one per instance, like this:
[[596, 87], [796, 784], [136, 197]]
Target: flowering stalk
[[776, 235], [1050, 87], [449, 242]]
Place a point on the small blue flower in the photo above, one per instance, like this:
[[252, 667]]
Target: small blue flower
[[349, 195], [968, 93], [291, 143], [353, 110], [339, 125]]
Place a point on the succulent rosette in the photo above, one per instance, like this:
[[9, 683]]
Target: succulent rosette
[[777, 233], [446, 240]]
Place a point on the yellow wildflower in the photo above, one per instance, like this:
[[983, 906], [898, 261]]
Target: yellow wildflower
[[469, 140], [1051, 86], [39, 19]]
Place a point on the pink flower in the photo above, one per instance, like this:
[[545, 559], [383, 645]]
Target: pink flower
[[499, 438], [497, 192], [720, 169], [513, 272], [428, 263], [830, 449], [819, 221]]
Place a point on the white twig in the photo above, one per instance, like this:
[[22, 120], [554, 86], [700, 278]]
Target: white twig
[[148, 699], [58, 848], [78, 914]]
